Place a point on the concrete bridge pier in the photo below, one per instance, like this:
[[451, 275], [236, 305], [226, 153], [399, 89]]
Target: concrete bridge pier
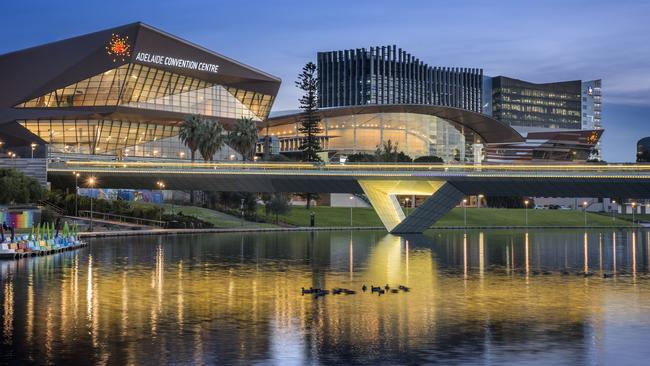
[[382, 194]]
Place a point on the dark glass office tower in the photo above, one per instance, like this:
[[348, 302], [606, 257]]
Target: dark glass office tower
[[643, 150], [389, 75], [550, 105]]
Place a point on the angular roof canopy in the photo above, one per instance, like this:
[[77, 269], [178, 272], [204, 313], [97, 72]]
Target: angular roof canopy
[[490, 129], [35, 72]]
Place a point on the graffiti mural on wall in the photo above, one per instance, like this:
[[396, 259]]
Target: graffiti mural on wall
[[134, 195], [19, 219]]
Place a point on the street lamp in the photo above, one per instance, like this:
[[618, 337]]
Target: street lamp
[[241, 207], [613, 210], [161, 186], [465, 211], [406, 204], [351, 198], [90, 182], [12, 155], [584, 205], [633, 209], [33, 148], [76, 193], [526, 211]]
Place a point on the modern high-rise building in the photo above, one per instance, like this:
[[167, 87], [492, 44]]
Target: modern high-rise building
[[643, 150], [524, 104], [574, 105], [548, 107], [591, 104], [389, 75]]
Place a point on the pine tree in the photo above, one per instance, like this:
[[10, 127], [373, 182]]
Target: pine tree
[[310, 120], [309, 125]]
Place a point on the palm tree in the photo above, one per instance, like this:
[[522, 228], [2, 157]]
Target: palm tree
[[212, 138], [243, 137], [190, 133]]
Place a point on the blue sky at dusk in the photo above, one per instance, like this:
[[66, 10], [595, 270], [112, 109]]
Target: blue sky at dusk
[[538, 41]]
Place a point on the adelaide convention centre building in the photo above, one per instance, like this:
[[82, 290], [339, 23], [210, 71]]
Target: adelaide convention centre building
[[121, 92]]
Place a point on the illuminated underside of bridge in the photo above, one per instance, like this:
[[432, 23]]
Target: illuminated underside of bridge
[[446, 185]]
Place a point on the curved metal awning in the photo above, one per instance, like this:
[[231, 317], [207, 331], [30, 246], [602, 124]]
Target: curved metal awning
[[490, 129]]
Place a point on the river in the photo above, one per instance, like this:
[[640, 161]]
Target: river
[[476, 297]]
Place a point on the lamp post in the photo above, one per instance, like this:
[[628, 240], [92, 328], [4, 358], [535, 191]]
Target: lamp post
[[613, 211], [161, 187], [406, 204], [12, 155], [91, 183], [351, 198], [584, 208], [526, 211], [465, 211], [241, 207], [76, 193], [633, 209], [33, 148]]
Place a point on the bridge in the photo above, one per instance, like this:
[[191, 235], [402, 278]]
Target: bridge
[[445, 184]]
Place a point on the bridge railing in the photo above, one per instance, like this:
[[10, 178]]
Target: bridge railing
[[348, 167]]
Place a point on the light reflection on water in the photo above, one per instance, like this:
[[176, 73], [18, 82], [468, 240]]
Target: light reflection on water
[[477, 297]]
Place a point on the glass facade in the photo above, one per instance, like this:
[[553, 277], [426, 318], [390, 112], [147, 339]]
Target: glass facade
[[141, 87], [643, 150], [523, 104], [116, 138], [591, 105], [138, 86], [389, 75], [415, 134]]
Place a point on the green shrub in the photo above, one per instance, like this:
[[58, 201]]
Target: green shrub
[[15, 187]]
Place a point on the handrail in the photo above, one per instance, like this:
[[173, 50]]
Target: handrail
[[55, 208], [348, 167], [122, 218]]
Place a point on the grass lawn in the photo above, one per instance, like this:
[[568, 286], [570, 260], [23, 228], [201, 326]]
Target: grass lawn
[[340, 216], [216, 218]]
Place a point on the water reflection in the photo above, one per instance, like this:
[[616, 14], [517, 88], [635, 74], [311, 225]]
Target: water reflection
[[479, 297]]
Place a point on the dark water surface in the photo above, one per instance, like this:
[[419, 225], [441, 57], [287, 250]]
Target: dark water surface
[[488, 297]]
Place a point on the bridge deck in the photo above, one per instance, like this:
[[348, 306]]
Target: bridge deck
[[445, 184]]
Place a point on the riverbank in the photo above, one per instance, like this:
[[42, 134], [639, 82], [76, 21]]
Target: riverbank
[[338, 218], [476, 217], [173, 232]]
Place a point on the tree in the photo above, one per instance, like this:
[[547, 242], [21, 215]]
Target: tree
[[428, 159], [388, 152], [15, 187], [211, 139], [278, 204], [190, 133], [243, 137], [362, 158], [309, 120], [309, 124]]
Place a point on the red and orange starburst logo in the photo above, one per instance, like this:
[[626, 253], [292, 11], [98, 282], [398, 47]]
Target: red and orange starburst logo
[[118, 47]]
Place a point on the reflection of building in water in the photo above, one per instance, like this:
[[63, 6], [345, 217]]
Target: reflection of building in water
[[236, 297]]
